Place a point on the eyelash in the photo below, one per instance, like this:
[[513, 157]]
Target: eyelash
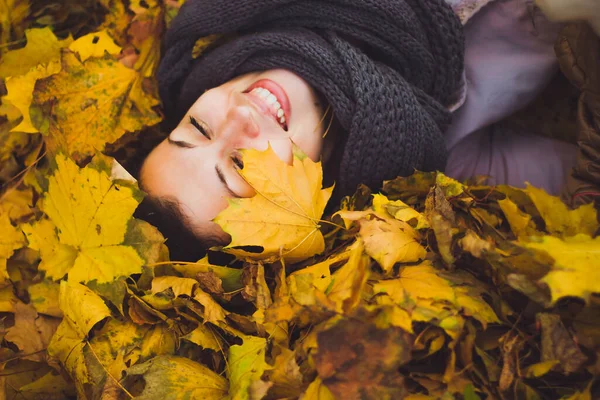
[[199, 127]]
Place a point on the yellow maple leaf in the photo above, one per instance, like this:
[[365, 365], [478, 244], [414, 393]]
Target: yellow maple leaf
[[87, 105], [88, 220], [387, 240], [42, 48], [559, 219], [94, 45], [10, 240], [283, 217], [576, 269]]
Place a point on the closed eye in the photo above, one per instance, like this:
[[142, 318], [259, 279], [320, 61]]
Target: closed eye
[[199, 127]]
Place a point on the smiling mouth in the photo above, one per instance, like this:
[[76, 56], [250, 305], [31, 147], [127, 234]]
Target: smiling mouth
[[272, 100]]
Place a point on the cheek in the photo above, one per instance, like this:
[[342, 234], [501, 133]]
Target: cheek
[[283, 149]]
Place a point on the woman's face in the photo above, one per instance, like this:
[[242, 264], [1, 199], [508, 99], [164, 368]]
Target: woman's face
[[197, 164]]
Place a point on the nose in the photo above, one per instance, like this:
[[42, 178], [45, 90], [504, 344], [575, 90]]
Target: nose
[[240, 126]]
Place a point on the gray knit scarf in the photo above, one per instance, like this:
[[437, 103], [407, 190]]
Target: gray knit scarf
[[387, 68]]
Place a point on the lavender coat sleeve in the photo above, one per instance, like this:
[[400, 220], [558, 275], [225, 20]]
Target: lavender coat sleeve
[[509, 60]]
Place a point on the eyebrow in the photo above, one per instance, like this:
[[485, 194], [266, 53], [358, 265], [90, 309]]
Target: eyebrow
[[224, 181], [179, 143]]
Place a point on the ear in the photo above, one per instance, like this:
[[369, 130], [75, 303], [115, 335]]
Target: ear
[[571, 10]]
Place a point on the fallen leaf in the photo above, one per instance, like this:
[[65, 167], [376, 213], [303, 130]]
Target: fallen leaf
[[20, 92], [539, 369], [357, 360], [521, 223], [94, 45], [178, 378], [88, 104], [317, 391], [205, 337], [575, 271], [42, 47], [44, 298], [82, 309], [11, 239], [291, 202], [348, 281], [559, 219], [246, 365], [31, 332], [85, 234], [558, 345], [230, 277]]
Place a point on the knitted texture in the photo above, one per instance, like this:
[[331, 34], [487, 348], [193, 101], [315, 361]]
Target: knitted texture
[[387, 68]]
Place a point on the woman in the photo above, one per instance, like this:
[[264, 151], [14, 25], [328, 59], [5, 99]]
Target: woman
[[385, 74]]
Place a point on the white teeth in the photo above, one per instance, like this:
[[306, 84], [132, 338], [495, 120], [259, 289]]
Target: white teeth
[[271, 99]]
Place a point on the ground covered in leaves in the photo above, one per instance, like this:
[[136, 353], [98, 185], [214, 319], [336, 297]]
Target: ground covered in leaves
[[431, 289]]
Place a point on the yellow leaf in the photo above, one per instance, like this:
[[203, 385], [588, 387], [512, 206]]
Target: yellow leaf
[[389, 242], [246, 365], [575, 271], [283, 217], [42, 47], [88, 104], [17, 203], [12, 15], [539, 369], [179, 286], [178, 378], [303, 283], [559, 219], [82, 310], [350, 280], [8, 300], [399, 210], [205, 337], [94, 45], [286, 376], [520, 222], [230, 277], [44, 297], [81, 307], [390, 316], [450, 187], [420, 281], [213, 312], [202, 44], [91, 214], [317, 391], [10, 240], [20, 92], [51, 385], [158, 340]]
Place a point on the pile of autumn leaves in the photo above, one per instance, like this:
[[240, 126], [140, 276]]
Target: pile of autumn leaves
[[430, 289]]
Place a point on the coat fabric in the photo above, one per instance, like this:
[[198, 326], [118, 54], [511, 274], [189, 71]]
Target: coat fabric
[[388, 68], [578, 52]]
